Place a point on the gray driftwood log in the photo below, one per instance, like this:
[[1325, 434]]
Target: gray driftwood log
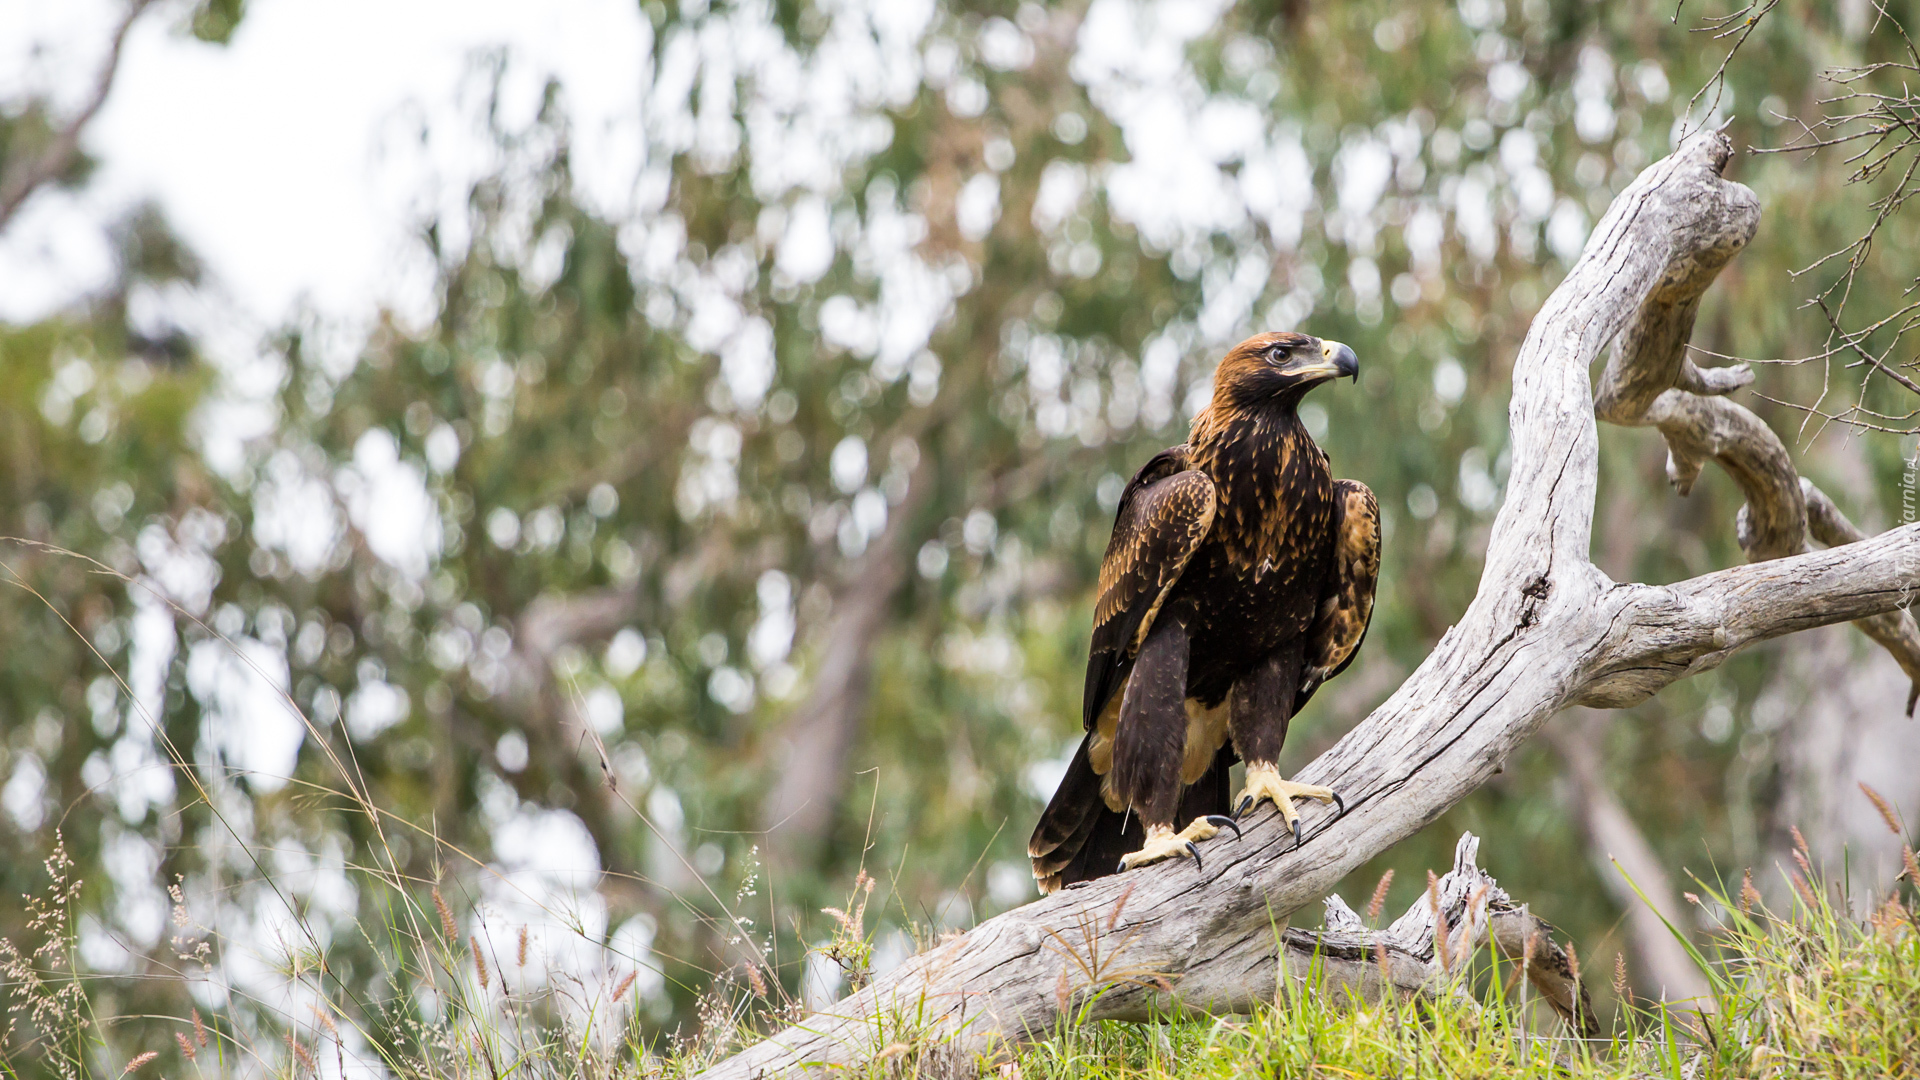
[[1546, 630]]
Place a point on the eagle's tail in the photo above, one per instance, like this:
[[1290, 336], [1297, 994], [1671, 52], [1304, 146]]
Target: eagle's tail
[[1066, 823], [1079, 838]]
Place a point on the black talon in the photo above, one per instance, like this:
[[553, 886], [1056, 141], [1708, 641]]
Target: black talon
[[1195, 852], [1296, 832], [1246, 804], [1339, 805], [1220, 822], [1122, 868]]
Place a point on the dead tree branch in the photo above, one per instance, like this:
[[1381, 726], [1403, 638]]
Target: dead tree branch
[[1650, 382], [1546, 630], [53, 160]]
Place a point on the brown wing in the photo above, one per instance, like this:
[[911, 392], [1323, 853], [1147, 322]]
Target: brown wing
[[1164, 514], [1346, 601]]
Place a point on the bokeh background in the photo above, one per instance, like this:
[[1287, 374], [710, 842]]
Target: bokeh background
[[660, 454]]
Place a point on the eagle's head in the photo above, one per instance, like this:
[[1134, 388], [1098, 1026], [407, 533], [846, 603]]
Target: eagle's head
[[1281, 365]]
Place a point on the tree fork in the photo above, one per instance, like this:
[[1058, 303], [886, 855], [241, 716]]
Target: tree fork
[[1546, 629]]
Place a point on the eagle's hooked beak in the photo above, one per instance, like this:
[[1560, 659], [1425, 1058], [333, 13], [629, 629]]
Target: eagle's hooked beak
[[1336, 360], [1342, 359]]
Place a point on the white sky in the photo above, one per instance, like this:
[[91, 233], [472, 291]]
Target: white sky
[[302, 135]]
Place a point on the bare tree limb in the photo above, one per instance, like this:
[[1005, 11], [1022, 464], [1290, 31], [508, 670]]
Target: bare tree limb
[[1545, 630], [21, 181], [1649, 381]]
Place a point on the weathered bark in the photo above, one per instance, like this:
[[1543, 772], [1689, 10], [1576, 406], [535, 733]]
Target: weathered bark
[[1546, 630], [1410, 956], [1649, 381], [1626, 863], [1407, 958]]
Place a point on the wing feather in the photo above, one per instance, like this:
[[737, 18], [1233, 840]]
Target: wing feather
[[1164, 515], [1346, 601]]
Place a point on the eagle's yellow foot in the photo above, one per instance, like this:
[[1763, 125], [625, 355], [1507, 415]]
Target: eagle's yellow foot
[[1163, 843], [1264, 782]]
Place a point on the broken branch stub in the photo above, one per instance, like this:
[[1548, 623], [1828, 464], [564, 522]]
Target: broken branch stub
[[1545, 629], [1472, 908]]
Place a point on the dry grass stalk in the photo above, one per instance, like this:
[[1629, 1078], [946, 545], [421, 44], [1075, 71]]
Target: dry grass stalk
[[1119, 905]]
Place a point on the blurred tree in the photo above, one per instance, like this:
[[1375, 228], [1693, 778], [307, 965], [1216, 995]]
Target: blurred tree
[[750, 520]]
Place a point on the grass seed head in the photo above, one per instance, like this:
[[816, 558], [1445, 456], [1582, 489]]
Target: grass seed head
[[1620, 988], [300, 1052], [186, 1045], [1806, 892], [479, 962], [626, 984], [199, 1029], [756, 980], [1379, 900], [1799, 856], [446, 917], [521, 956], [1749, 896], [139, 1061], [1886, 811]]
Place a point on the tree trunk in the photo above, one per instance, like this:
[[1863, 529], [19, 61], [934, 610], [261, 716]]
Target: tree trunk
[[1546, 630], [1833, 712], [817, 736], [1632, 872]]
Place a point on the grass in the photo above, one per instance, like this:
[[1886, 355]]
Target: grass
[[1805, 992], [453, 990]]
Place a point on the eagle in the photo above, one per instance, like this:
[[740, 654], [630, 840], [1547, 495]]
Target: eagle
[[1240, 576]]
